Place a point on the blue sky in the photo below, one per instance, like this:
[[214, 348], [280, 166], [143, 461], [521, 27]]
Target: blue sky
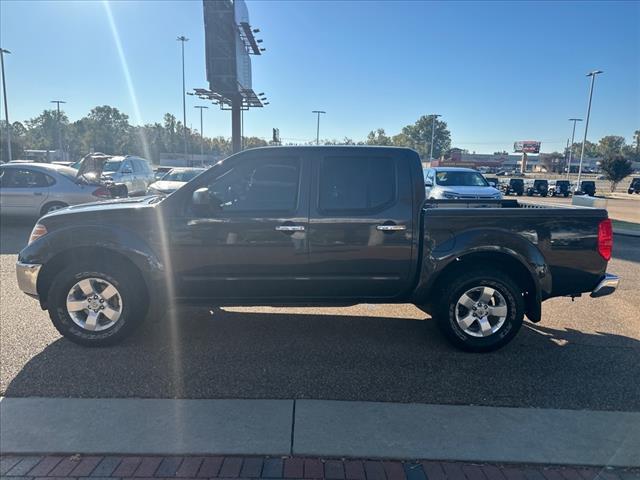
[[496, 71]]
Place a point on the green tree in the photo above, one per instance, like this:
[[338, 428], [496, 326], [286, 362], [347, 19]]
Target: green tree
[[42, 131], [418, 137], [590, 149], [615, 169], [378, 137], [553, 162], [610, 145], [108, 130]]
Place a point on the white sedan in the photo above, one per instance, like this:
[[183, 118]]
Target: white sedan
[[173, 180]]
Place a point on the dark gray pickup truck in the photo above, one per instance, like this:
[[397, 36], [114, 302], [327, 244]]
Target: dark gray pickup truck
[[314, 226]]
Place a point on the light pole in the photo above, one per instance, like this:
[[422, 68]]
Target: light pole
[[201, 107], [434, 117], [6, 108], [58, 102], [183, 39], [573, 134], [318, 112], [586, 123]]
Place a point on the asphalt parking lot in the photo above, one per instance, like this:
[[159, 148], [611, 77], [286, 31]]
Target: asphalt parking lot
[[583, 355]]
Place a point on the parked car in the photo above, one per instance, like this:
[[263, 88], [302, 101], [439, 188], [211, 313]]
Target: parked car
[[493, 181], [559, 187], [586, 187], [314, 226], [173, 180], [634, 186], [35, 189], [537, 187], [512, 186], [457, 183]]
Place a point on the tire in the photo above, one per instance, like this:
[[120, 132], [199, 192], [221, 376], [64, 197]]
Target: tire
[[566, 195], [519, 194], [52, 207], [544, 194], [130, 301], [449, 311]]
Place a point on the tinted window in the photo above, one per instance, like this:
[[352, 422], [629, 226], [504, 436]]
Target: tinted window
[[23, 178], [356, 183], [258, 185], [181, 175], [112, 165], [136, 166], [461, 179]]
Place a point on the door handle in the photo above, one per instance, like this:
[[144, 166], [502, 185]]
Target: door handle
[[37, 194], [290, 228], [391, 228]]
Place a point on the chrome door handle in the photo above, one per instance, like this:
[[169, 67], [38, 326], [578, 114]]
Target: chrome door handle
[[290, 228], [391, 228]]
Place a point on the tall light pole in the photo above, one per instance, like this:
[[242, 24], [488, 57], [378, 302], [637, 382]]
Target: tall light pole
[[6, 108], [58, 102], [201, 107], [573, 134], [434, 117], [318, 112], [183, 39], [586, 123]]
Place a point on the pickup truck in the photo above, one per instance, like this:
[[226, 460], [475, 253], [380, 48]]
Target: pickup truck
[[314, 226]]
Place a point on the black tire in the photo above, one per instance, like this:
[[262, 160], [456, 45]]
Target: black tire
[[134, 303], [52, 207], [566, 195], [519, 194], [450, 294], [544, 194]]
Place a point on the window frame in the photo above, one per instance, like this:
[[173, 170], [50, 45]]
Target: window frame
[[49, 180], [357, 211]]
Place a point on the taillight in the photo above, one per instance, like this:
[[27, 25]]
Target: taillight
[[605, 239], [38, 231], [101, 192]]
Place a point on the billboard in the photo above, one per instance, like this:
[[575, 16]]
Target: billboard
[[220, 32], [527, 146]]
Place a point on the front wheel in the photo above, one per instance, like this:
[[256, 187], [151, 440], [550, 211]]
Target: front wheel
[[480, 311], [96, 305]]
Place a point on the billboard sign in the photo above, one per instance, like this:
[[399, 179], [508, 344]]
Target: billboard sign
[[221, 33], [527, 146]]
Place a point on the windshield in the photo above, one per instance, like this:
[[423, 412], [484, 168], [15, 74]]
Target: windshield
[[460, 179], [112, 165], [181, 175]]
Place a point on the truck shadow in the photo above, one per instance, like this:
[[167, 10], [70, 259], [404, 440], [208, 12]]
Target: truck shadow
[[230, 354], [14, 234]]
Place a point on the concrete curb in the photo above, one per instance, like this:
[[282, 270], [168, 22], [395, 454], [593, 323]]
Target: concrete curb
[[319, 428]]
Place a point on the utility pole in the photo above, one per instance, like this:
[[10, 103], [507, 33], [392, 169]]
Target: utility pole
[[201, 107], [573, 134], [183, 39], [433, 131], [58, 102], [318, 112], [6, 108], [586, 123]]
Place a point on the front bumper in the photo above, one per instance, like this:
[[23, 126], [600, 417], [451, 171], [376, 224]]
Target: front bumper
[[606, 286], [27, 274]]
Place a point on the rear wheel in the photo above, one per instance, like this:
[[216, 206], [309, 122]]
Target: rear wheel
[[96, 305], [480, 311], [52, 207]]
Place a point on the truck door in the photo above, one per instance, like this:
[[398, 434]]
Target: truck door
[[361, 229], [253, 244]]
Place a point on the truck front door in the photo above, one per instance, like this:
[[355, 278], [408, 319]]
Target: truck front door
[[361, 230]]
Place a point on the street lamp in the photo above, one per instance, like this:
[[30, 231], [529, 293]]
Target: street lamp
[[586, 124], [6, 108], [434, 117], [201, 107], [58, 102], [318, 112], [573, 134], [183, 39]]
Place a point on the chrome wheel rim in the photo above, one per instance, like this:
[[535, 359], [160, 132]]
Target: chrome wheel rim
[[94, 304], [481, 311]]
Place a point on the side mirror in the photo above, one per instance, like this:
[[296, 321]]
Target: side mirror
[[201, 196], [493, 184], [428, 183]]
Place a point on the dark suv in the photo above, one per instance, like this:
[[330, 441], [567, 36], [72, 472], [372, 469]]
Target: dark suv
[[635, 185], [537, 187], [559, 187], [513, 186], [587, 187]]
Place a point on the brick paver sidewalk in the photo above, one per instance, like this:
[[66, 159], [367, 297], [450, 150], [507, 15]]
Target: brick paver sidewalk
[[139, 467]]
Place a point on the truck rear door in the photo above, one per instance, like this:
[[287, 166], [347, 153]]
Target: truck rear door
[[361, 228]]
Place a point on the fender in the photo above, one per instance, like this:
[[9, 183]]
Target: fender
[[519, 247]]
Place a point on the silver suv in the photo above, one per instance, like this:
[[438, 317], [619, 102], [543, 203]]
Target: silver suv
[[457, 183], [133, 172]]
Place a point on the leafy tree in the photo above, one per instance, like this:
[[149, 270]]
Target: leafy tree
[[418, 137], [378, 137], [553, 162], [610, 145], [615, 169], [108, 130], [590, 149], [17, 132], [254, 142], [42, 131]]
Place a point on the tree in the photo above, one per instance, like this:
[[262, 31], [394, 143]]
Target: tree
[[108, 130], [590, 150], [418, 137], [615, 169], [42, 131], [378, 137], [553, 162], [610, 145]]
